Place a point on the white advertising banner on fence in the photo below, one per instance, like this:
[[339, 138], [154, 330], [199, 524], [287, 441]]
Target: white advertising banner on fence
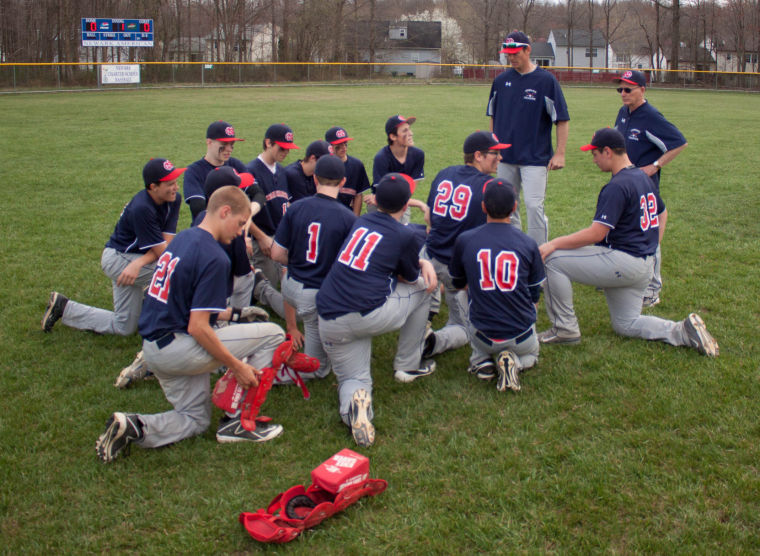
[[123, 73]]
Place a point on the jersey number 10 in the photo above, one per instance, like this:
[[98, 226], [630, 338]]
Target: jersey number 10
[[502, 274]]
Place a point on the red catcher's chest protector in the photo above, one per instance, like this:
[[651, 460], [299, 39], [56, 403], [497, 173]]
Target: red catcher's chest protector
[[336, 484]]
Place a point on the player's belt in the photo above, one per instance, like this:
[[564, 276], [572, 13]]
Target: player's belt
[[518, 339], [163, 341]]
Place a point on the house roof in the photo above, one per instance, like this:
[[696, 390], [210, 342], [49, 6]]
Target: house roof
[[419, 34], [579, 37], [541, 50]]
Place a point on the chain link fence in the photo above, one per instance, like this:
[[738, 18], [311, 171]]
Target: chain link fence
[[69, 76]]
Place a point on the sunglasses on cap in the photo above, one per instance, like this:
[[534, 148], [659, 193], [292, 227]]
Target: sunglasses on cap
[[626, 89], [513, 45]]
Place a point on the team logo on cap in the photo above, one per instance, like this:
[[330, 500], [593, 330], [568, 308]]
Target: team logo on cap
[[340, 134], [289, 136], [168, 166], [229, 131], [493, 136], [628, 74]]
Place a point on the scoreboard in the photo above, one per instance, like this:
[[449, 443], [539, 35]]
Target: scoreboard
[[117, 32]]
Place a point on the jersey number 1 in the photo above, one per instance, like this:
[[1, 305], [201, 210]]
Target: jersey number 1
[[360, 260], [313, 251], [505, 265], [159, 284]]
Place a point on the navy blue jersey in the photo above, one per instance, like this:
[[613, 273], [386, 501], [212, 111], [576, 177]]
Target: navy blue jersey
[[454, 201], [500, 265], [375, 253], [240, 265], [312, 231], [191, 275], [630, 205], [647, 135], [385, 163], [357, 181], [143, 222], [195, 176], [275, 187], [299, 184], [523, 108]]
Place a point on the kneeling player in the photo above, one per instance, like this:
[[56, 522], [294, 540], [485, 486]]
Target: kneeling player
[[380, 257], [502, 269], [307, 241], [188, 289], [616, 253]]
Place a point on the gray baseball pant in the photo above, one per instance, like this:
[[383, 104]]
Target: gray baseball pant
[[623, 278], [182, 368], [531, 180], [242, 288], [455, 334], [127, 300], [305, 302], [524, 347], [348, 339], [268, 293]]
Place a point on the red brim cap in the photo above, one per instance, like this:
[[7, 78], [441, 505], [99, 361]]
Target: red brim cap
[[342, 140], [511, 50], [246, 179], [285, 145], [502, 146], [174, 174], [411, 182], [229, 139], [589, 147], [619, 79]]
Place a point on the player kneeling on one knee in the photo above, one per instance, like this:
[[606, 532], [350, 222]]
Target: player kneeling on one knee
[[502, 270], [616, 254], [188, 290], [379, 257]]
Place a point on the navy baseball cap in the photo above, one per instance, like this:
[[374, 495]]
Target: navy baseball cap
[[499, 196], [337, 135], [330, 167], [605, 137], [222, 131], [160, 169], [514, 42], [282, 135], [633, 77], [394, 121], [319, 149], [393, 191], [226, 175], [483, 141]]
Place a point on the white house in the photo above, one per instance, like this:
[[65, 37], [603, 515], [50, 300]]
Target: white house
[[576, 52]]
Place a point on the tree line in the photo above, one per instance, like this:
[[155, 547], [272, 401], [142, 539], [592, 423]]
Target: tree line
[[328, 30]]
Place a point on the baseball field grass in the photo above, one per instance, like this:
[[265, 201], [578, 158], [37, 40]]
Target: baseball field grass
[[614, 445]]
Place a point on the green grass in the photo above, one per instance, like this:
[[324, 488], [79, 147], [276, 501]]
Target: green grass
[[615, 445]]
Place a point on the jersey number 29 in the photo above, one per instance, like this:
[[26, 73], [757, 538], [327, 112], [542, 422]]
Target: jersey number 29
[[159, 284], [459, 197]]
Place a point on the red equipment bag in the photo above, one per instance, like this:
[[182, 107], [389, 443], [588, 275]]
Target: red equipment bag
[[231, 397], [336, 484]]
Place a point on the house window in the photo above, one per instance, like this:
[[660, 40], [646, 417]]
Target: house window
[[591, 53], [750, 58], [542, 62], [728, 57], [397, 33]]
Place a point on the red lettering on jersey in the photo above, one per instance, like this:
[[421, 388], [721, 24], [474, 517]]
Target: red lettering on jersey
[[506, 264], [313, 251], [649, 217], [360, 260], [159, 284], [459, 198]]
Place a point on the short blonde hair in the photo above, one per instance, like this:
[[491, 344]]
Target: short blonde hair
[[230, 196]]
